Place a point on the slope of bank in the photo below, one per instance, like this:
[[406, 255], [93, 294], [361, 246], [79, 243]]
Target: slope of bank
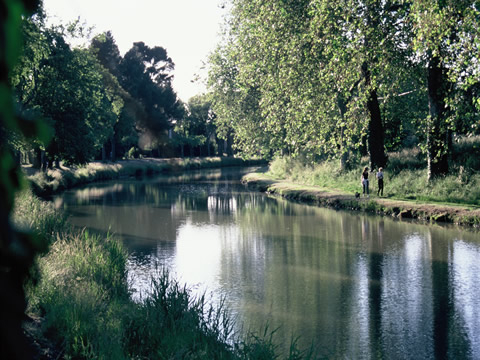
[[461, 215], [56, 180]]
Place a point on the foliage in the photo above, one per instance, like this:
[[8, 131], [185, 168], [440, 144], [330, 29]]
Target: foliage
[[17, 249], [146, 73], [323, 79], [196, 129], [94, 100], [64, 86]]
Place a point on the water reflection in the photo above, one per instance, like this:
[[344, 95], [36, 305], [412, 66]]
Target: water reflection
[[357, 286]]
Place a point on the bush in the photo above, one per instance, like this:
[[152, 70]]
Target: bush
[[466, 153]]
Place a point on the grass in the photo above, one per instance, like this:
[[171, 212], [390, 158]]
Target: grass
[[79, 291], [55, 180], [405, 176]]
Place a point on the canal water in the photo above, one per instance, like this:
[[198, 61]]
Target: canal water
[[356, 286]]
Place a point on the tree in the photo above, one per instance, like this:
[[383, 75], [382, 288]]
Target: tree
[[236, 107], [445, 31], [65, 86], [196, 129], [106, 50], [316, 68], [146, 74]]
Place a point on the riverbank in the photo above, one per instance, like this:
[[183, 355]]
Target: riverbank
[[56, 180], [80, 305], [337, 199]]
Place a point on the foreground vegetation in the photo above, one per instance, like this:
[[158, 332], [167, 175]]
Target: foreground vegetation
[[79, 291]]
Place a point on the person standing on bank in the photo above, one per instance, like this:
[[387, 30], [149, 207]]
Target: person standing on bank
[[380, 181], [365, 181]]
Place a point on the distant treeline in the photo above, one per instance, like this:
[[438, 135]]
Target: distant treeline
[[317, 79], [97, 104]]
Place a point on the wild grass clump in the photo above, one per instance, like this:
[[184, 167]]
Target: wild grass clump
[[41, 217], [406, 159], [171, 323], [82, 294]]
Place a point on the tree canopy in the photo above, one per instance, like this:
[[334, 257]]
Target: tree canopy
[[96, 102], [341, 79]]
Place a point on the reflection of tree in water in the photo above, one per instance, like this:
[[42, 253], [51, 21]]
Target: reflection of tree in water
[[348, 281]]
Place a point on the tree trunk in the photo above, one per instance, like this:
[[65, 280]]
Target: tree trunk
[[104, 155], [438, 135], [220, 146], [44, 161], [113, 156], [229, 145], [342, 106], [376, 135], [37, 159]]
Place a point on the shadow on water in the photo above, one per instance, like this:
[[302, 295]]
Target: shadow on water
[[358, 286]]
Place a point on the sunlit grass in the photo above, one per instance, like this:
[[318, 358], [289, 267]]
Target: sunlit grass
[[405, 176]]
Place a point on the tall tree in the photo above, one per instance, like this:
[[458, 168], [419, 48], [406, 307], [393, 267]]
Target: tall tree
[[442, 29], [197, 128], [65, 86], [146, 74], [236, 107], [107, 52]]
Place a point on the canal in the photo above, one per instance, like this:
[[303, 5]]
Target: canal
[[356, 286]]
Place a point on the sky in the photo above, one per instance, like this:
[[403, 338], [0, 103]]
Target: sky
[[187, 29]]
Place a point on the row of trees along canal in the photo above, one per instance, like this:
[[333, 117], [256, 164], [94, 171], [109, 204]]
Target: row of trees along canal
[[100, 105], [329, 78]]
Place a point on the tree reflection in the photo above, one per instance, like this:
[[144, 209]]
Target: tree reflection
[[358, 286]]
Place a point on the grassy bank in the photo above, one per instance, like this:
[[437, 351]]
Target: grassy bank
[[56, 180], [81, 307], [454, 198]]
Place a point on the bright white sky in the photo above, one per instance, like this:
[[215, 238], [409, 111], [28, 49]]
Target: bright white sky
[[187, 29]]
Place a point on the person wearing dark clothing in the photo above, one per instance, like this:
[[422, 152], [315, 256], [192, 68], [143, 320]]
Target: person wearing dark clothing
[[365, 181], [380, 181]]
